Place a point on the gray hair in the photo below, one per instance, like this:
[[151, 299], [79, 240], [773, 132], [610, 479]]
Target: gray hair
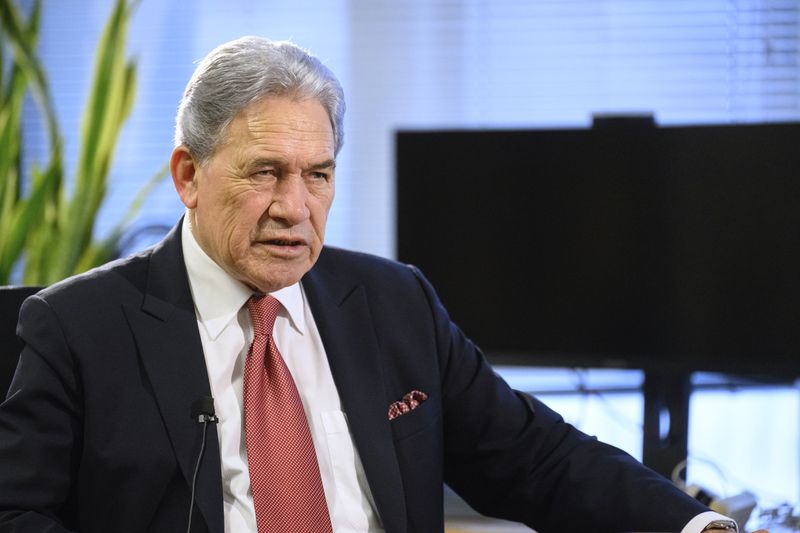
[[241, 72]]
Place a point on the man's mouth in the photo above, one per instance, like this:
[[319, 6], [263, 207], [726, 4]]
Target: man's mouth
[[284, 242]]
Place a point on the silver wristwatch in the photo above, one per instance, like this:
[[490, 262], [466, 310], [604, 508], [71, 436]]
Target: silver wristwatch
[[724, 525]]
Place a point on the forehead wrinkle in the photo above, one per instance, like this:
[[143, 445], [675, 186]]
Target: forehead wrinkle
[[265, 123], [279, 135]]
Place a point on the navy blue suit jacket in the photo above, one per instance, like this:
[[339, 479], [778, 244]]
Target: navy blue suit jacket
[[96, 433]]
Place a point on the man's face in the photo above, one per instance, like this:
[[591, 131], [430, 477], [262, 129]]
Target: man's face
[[258, 208]]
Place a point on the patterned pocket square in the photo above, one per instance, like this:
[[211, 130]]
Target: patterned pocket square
[[409, 402]]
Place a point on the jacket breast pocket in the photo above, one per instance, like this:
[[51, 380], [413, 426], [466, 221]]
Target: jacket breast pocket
[[409, 424]]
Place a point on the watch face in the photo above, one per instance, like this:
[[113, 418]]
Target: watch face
[[721, 525]]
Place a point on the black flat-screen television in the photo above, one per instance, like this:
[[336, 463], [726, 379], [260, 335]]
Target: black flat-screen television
[[625, 245]]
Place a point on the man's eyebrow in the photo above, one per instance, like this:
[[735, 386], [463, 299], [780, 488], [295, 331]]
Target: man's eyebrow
[[266, 163], [328, 163]]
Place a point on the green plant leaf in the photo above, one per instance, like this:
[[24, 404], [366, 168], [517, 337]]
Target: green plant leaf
[[26, 216], [22, 39]]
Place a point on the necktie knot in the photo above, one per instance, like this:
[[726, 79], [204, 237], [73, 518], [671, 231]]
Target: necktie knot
[[263, 311]]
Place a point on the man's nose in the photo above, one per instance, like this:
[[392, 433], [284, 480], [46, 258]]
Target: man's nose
[[289, 200]]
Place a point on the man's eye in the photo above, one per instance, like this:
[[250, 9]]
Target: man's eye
[[265, 172], [319, 176]]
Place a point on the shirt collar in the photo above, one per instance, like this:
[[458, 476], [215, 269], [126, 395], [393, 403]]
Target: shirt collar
[[218, 296]]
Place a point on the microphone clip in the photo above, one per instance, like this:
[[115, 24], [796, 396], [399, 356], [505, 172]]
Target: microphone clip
[[207, 417], [203, 410]]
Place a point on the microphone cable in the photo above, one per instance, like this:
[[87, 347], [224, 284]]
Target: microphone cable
[[203, 412]]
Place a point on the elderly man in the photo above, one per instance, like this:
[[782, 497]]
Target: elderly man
[[241, 377]]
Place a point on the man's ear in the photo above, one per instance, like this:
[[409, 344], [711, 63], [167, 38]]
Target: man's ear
[[184, 171]]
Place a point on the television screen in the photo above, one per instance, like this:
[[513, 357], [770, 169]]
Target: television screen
[[627, 245]]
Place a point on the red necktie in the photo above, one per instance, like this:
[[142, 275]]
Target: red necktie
[[284, 474]]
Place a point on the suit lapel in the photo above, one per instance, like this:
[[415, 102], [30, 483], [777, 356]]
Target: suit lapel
[[345, 325], [165, 329]]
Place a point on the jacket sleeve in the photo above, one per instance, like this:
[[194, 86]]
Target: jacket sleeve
[[40, 428], [510, 456]]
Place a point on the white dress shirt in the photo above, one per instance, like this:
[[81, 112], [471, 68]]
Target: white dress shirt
[[226, 333]]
